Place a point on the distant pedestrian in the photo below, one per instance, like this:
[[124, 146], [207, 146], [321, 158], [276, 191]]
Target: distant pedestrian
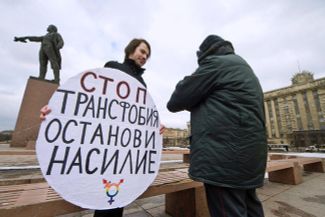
[[228, 148]]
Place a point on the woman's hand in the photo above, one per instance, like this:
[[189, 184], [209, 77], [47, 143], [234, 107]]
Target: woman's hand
[[162, 129], [45, 110]]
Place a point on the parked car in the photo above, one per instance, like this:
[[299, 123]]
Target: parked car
[[174, 148], [321, 148], [278, 147], [311, 148]]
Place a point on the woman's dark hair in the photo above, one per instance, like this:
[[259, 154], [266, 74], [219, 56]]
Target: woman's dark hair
[[130, 48]]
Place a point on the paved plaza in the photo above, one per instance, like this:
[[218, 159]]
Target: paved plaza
[[280, 200]]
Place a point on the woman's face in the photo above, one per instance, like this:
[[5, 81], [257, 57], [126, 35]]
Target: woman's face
[[140, 55]]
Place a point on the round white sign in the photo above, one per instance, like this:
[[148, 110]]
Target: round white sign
[[100, 146]]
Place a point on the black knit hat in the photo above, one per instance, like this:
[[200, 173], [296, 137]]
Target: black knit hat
[[209, 41], [214, 44]]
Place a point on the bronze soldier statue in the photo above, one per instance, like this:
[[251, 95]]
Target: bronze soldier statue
[[51, 43]]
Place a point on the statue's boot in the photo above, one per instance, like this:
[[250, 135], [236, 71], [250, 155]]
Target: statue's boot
[[42, 72], [56, 76]]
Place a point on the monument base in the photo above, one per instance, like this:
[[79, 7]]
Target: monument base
[[37, 94], [45, 80]]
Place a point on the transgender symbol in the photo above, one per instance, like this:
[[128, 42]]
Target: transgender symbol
[[112, 189]]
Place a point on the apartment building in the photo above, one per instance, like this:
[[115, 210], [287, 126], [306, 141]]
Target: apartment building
[[296, 114]]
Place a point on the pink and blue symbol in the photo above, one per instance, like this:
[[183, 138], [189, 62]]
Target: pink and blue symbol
[[112, 189]]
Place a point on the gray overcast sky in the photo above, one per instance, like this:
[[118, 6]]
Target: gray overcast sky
[[275, 37]]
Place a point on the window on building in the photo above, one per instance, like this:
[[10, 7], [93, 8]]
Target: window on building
[[287, 115], [308, 114], [296, 107], [319, 110], [317, 101], [269, 108], [295, 103], [277, 114]]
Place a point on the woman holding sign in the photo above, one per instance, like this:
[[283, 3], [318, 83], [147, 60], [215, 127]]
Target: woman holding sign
[[137, 53]]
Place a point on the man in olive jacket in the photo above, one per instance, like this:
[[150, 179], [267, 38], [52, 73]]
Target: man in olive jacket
[[228, 141]]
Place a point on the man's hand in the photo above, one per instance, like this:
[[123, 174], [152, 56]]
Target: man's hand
[[45, 110]]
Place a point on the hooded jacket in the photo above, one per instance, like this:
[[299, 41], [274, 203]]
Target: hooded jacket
[[228, 141]]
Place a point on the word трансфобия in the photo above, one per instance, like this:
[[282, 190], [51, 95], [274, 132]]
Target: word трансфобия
[[119, 142]]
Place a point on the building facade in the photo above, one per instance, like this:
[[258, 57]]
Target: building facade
[[175, 137], [296, 114]]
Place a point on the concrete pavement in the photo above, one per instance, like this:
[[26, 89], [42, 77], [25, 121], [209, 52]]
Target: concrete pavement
[[279, 200]]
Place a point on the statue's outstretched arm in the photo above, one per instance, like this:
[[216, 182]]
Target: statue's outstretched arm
[[35, 38], [30, 38], [20, 39]]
